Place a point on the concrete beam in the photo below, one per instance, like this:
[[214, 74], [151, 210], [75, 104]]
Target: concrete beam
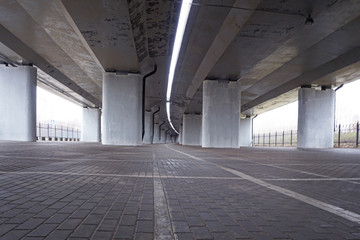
[[231, 26]]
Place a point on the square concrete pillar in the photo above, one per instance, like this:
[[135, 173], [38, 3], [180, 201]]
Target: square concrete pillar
[[148, 127], [162, 136], [122, 117], [221, 114], [156, 136], [192, 129], [91, 127], [18, 103], [316, 118], [180, 136], [246, 132]]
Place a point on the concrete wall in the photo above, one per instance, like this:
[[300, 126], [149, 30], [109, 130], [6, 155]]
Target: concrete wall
[[122, 118], [192, 129], [316, 118], [18, 103], [221, 114], [246, 132], [148, 127], [91, 127]]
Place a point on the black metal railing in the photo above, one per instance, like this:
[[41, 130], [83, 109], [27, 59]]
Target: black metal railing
[[52, 132], [344, 136]]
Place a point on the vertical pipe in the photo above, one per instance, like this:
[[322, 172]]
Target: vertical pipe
[[339, 135], [357, 135], [143, 98], [153, 121], [48, 130], [39, 131], [291, 138]]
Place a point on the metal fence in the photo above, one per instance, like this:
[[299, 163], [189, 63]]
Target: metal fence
[[51, 132], [344, 136], [277, 139]]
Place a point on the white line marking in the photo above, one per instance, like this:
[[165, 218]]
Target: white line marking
[[163, 227], [351, 216]]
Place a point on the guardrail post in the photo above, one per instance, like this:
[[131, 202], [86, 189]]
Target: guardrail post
[[39, 131], [291, 138], [283, 139], [357, 134], [339, 135], [263, 139], [275, 138], [269, 139], [48, 130]]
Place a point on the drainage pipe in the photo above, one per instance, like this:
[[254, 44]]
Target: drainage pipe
[[143, 98]]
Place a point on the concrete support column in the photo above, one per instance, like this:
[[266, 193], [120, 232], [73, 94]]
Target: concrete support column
[[156, 133], [246, 132], [148, 127], [192, 129], [18, 103], [221, 114], [91, 127], [122, 118], [162, 136], [316, 118], [180, 134]]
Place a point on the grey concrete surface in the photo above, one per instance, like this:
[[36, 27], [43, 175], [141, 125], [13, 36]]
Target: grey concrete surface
[[316, 116], [18, 103], [91, 125], [93, 191], [246, 132], [221, 114], [192, 124], [148, 127], [122, 96]]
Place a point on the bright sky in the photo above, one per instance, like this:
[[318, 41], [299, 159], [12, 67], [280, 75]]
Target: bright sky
[[285, 118], [52, 107]]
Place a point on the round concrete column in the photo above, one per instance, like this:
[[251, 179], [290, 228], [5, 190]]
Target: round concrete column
[[18, 103], [91, 127]]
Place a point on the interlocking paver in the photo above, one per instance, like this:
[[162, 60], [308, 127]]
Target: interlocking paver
[[73, 191]]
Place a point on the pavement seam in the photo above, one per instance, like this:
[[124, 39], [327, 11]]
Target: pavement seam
[[163, 226], [351, 216]]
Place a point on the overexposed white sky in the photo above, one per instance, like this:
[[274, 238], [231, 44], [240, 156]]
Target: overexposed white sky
[[285, 118], [61, 111]]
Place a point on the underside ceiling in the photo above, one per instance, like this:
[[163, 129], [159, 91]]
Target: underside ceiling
[[271, 47]]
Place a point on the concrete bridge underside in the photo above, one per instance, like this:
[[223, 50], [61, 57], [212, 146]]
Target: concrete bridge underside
[[258, 54]]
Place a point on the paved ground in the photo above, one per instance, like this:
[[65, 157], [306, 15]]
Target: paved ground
[[90, 191]]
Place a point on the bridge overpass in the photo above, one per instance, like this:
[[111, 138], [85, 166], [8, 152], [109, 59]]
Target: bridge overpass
[[238, 58]]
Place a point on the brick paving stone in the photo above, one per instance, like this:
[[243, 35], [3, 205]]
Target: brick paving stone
[[128, 220], [143, 236], [15, 234], [100, 235], [59, 235], [180, 226], [30, 224], [125, 232], [145, 226], [43, 230], [84, 231]]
